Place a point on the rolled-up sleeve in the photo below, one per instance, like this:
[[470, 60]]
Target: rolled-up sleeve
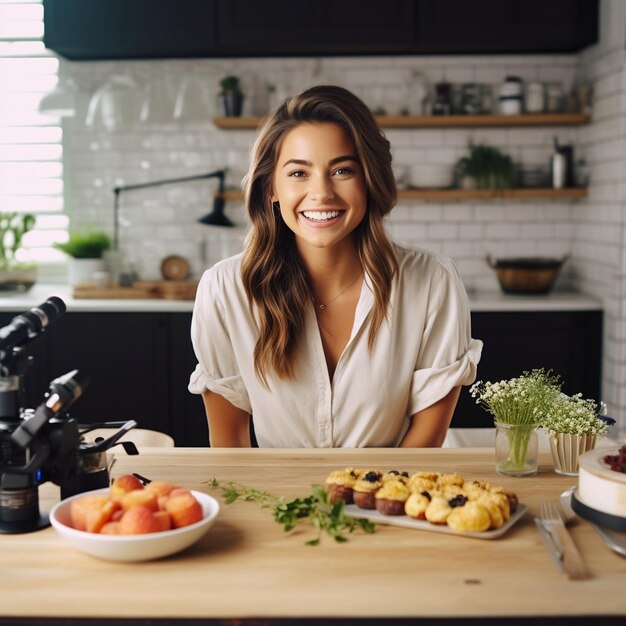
[[448, 356], [217, 369]]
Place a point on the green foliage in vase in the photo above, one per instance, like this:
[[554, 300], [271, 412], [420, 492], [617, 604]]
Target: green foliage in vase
[[13, 227], [90, 245]]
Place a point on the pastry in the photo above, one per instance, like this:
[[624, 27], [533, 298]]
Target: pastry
[[451, 479], [422, 481], [339, 485], [390, 498], [365, 488], [395, 475], [438, 510], [464, 505], [416, 505], [471, 517], [491, 504]]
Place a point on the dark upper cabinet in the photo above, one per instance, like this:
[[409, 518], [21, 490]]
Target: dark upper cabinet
[[119, 29], [324, 27], [505, 26], [86, 30]]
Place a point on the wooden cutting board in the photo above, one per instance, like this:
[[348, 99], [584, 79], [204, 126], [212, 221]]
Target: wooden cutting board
[[140, 290]]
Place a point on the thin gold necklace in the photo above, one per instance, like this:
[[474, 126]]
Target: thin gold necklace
[[323, 307]]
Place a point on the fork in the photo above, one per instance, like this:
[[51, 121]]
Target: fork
[[553, 521]]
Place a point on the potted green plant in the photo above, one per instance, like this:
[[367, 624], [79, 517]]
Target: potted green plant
[[486, 167], [86, 251], [231, 96], [518, 406], [573, 426], [16, 272]]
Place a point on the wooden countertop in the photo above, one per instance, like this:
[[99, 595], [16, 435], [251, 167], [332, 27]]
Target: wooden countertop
[[246, 567], [480, 300]]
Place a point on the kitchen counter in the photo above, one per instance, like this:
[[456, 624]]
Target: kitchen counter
[[247, 570], [480, 301]]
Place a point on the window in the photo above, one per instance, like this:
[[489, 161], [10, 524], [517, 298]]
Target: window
[[31, 167]]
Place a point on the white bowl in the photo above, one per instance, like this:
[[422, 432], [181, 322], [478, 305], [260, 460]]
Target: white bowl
[[431, 175], [133, 547]]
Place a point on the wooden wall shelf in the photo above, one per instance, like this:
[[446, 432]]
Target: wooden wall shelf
[[450, 195], [440, 121]]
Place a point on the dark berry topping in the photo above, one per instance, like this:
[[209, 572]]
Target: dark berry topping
[[457, 501], [372, 477], [426, 495]]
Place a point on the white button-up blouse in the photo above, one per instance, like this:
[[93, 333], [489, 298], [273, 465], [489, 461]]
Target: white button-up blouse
[[422, 351]]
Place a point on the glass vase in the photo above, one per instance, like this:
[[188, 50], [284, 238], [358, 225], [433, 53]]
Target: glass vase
[[566, 449], [516, 449]]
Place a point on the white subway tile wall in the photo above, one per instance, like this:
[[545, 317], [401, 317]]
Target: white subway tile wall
[[161, 221]]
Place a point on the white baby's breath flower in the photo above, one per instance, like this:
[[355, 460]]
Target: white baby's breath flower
[[521, 400], [574, 415]]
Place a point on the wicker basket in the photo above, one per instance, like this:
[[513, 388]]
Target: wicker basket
[[529, 275]]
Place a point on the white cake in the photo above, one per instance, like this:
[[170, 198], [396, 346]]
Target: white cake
[[600, 487]]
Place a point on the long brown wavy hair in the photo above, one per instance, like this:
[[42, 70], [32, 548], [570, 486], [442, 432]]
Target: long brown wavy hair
[[275, 280]]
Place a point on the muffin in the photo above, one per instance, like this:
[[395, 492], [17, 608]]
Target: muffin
[[419, 482], [390, 498], [403, 477], [450, 479], [339, 485], [365, 488]]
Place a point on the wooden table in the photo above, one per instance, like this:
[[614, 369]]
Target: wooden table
[[247, 570]]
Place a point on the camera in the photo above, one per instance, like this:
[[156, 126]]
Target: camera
[[45, 443]]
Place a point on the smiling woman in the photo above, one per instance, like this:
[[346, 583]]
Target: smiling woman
[[324, 330]]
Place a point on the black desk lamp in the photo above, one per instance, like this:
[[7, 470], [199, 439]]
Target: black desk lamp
[[215, 218]]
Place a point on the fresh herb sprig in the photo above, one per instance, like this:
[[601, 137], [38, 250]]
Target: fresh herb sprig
[[315, 508]]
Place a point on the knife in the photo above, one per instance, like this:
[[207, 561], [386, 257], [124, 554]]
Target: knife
[[552, 543], [611, 540]]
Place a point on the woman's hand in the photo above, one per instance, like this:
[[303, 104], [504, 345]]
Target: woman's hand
[[429, 427], [229, 427]]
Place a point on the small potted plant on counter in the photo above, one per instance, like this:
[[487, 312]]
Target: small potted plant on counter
[[485, 168], [231, 96], [573, 426], [17, 273], [86, 251]]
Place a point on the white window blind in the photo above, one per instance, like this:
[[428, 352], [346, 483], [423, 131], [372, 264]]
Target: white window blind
[[31, 151]]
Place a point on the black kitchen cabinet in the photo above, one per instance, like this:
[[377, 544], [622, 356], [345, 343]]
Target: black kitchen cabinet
[[188, 417], [130, 29], [138, 366], [568, 342], [280, 27], [497, 26], [125, 357], [118, 29], [139, 363]]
